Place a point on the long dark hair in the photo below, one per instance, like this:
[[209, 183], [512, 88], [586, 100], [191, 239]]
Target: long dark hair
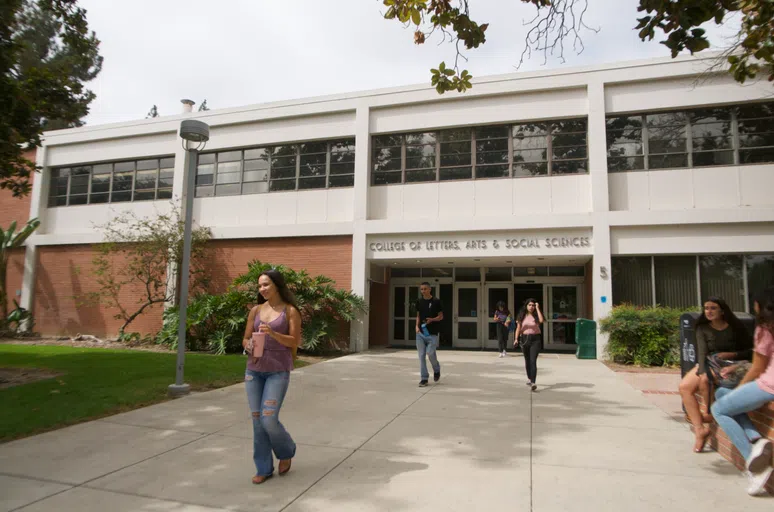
[[765, 316], [282, 288], [523, 312], [502, 304], [740, 331]]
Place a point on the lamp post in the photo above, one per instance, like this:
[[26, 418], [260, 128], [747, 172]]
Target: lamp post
[[195, 135]]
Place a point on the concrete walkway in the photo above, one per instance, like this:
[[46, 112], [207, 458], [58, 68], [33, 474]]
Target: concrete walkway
[[369, 439]]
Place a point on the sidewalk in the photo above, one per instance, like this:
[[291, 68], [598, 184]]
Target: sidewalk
[[370, 440]]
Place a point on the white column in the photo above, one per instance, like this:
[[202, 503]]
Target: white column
[[358, 336], [602, 287], [38, 196]]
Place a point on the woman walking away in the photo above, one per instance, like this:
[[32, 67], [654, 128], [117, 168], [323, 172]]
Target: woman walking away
[[754, 391], [503, 318], [719, 334], [528, 327], [272, 335]]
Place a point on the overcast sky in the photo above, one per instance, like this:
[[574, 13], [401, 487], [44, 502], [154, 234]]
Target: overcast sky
[[240, 52]]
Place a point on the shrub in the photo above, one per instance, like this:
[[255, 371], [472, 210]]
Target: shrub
[[216, 322], [643, 336]]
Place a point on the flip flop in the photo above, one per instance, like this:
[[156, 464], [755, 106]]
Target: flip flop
[[258, 480], [284, 472]]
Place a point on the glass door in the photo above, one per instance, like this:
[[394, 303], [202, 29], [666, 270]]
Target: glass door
[[466, 315], [404, 313], [494, 294], [564, 307]]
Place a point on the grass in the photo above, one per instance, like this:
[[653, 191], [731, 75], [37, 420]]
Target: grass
[[98, 382]]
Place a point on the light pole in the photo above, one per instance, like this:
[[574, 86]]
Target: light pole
[[195, 135]]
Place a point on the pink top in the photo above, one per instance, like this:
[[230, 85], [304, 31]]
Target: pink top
[[276, 356], [764, 345], [529, 325]]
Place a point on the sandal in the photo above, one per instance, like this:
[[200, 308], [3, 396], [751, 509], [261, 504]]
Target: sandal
[[257, 479], [285, 469], [701, 441]]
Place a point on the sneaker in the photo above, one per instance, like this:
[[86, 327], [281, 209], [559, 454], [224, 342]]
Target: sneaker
[[534, 387], [760, 456], [437, 376], [529, 383], [757, 481], [505, 353], [422, 383], [500, 354]]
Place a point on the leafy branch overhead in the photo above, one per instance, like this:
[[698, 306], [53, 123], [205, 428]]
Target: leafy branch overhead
[[559, 21], [47, 54]]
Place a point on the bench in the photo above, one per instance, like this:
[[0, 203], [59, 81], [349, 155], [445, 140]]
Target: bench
[[763, 419]]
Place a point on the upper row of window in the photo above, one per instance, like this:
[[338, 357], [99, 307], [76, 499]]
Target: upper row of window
[[741, 134], [310, 165], [688, 138]]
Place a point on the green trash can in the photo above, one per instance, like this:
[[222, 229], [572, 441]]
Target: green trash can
[[586, 339]]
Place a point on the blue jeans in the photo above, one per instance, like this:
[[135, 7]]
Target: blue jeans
[[427, 345], [729, 411], [265, 393]]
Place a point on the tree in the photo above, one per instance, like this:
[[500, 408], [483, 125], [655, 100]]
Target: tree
[[10, 239], [137, 253], [47, 54], [557, 21]]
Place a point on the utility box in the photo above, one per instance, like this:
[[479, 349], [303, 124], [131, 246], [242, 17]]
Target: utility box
[[585, 339]]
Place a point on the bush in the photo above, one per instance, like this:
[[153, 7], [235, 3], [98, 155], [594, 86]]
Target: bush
[[643, 336], [216, 323]]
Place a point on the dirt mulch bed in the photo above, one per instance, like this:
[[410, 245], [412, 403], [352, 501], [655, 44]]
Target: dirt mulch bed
[[623, 368], [84, 342], [10, 377]]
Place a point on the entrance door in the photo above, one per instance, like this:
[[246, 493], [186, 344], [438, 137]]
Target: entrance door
[[466, 315], [404, 313], [494, 294], [564, 307]]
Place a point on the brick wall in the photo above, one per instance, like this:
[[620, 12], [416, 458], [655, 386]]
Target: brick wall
[[63, 275], [330, 256], [763, 419], [16, 208]]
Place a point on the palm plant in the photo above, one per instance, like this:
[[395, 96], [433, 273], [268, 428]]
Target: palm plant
[[10, 239]]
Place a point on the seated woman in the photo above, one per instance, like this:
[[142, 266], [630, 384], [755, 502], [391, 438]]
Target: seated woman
[[754, 391], [720, 332]]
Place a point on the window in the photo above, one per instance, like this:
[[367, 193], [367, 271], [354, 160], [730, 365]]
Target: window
[[675, 281], [693, 138], [721, 276], [141, 180], [527, 149], [632, 280], [760, 275], [309, 165]]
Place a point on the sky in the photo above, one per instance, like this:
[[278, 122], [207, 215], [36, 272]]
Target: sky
[[243, 52]]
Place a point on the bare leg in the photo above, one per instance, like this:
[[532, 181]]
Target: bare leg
[[704, 391], [688, 386]]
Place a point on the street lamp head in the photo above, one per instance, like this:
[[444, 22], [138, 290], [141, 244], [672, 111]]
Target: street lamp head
[[194, 131]]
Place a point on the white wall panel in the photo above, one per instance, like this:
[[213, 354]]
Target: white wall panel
[[757, 185], [693, 239], [531, 195], [715, 187], [312, 206], [493, 198], [570, 194], [671, 190], [341, 204], [681, 92], [629, 191], [420, 201], [385, 202], [281, 207], [456, 199], [86, 218], [112, 149], [467, 111]]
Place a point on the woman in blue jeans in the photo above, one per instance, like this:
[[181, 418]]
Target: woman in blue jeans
[[267, 377], [754, 391]]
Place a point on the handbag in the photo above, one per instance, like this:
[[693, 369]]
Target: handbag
[[716, 364]]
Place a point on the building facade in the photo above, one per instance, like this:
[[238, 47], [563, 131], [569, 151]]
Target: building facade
[[647, 182]]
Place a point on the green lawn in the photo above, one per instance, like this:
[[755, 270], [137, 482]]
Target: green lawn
[[98, 382]]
